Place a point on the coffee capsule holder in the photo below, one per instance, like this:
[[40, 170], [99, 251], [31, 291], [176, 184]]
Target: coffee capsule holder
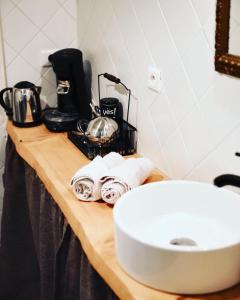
[[124, 143]]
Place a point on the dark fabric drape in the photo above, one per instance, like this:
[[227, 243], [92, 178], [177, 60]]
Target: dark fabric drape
[[19, 269], [40, 257], [48, 228]]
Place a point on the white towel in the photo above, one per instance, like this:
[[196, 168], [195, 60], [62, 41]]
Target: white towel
[[86, 183], [120, 179]]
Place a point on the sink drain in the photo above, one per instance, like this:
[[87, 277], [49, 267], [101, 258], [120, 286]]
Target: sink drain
[[183, 242]]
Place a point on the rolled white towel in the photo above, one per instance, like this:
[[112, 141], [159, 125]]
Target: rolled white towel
[[120, 179], [86, 183]]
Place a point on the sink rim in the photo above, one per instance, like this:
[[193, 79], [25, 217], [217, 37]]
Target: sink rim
[[173, 248]]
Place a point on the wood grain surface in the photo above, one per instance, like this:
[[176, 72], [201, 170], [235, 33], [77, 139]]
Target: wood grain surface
[[56, 159]]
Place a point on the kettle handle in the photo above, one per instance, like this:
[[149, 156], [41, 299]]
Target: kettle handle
[[36, 94], [82, 126], [4, 105], [36, 113]]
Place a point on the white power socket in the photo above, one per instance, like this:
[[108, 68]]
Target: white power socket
[[44, 56], [154, 79]]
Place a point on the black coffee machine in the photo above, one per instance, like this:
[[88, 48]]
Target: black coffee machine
[[73, 102]]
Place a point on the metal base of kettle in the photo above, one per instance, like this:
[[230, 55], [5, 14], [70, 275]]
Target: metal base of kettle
[[26, 125]]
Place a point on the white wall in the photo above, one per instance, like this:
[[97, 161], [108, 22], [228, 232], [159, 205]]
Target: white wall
[[2, 121], [29, 27], [192, 128]]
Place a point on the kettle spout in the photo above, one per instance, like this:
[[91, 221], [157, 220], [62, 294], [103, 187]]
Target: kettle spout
[[227, 179]]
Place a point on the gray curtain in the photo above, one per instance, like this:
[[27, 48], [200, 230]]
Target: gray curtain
[[40, 257]]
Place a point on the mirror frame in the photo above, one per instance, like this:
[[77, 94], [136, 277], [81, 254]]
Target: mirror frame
[[224, 62]]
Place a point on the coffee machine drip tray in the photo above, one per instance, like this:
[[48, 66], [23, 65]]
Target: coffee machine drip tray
[[58, 121]]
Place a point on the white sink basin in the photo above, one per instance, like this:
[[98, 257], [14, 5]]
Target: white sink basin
[[179, 236]]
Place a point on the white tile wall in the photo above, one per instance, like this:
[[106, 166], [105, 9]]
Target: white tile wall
[[191, 130], [29, 27]]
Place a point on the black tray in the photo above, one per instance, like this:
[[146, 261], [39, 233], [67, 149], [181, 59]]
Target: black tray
[[125, 143]]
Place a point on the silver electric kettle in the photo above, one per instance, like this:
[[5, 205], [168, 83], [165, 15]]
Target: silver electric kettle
[[22, 104]]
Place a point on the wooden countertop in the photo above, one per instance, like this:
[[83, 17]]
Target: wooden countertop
[[56, 159]]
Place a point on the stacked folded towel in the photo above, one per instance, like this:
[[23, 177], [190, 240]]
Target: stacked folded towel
[[120, 179], [109, 177], [86, 181]]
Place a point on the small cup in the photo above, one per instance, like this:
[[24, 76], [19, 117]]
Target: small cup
[[109, 107]]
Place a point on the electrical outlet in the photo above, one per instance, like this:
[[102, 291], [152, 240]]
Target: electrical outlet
[[44, 56], [154, 79]]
